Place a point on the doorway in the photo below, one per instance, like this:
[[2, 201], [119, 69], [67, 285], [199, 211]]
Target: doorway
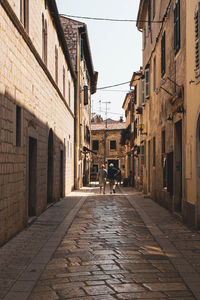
[[198, 171], [61, 173], [50, 168], [32, 177], [178, 167], [149, 167]]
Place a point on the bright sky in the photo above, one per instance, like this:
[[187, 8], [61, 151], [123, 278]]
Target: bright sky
[[116, 48]]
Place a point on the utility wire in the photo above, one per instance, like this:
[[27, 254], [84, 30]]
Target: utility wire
[[118, 84], [110, 19]]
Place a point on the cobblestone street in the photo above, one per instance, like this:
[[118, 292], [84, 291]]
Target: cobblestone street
[[120, 246]]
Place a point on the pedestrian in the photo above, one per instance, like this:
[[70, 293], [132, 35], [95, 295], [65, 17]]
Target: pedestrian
[[118, 177], [102, 174], [112, 173]]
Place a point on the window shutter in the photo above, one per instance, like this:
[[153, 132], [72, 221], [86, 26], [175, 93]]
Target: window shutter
[[147, 84], [142, 92], [197, 40], [163, 55], [177, 26], [85, 95]]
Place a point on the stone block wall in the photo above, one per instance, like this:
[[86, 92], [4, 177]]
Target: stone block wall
[[25, 82]]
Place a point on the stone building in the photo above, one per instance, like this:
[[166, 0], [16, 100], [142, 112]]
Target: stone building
[[77, 39], [171, 105], [36, 112], [127, 135], [134, 134], [163, 113], [191, 144], [106, 145]]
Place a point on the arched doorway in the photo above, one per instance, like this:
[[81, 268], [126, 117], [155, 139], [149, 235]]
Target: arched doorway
[[198, 171], [50, 168]]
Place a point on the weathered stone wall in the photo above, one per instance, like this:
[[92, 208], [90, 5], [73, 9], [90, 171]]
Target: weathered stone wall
[[26, 82], [117, 154]]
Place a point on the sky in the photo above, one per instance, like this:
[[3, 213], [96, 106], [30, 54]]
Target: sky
[[116, 48]]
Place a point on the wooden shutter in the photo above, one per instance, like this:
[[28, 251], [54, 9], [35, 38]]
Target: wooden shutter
[[85, 95], [147, 83], [163, 54], [177, 26], [197, 40]]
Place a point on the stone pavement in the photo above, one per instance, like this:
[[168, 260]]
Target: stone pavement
[[120, 246]]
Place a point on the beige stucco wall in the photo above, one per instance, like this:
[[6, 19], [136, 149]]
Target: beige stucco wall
[[192, 100], [157, 108]]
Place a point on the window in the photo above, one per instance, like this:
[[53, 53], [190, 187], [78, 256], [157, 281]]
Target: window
[[142, 99], [197, 40], [154, 73], [24, 13], [56, 64], [154, 151], [85, 94], [153, 8], [177, 26], [44, 40], [18, 126], [112, 145], [144, 37], [163, 54], [135, 129], [149, 16], [164, 160], [69, 93], [63, 82], [143, 154], [147, 83], [163, 141], [68, 149], [95, 145], [95, 168]]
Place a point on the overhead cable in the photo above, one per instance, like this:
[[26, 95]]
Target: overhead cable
[[105, 87], [110, 19], [118, 84]]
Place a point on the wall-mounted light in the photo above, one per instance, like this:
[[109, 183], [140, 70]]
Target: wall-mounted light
[[191, 81], [170, 118]]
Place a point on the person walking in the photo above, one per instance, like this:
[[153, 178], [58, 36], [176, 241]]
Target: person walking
[[118, 177], [112, 173], [102, 174]]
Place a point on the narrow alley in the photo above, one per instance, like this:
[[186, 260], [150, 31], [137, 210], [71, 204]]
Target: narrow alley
[[91, 246]]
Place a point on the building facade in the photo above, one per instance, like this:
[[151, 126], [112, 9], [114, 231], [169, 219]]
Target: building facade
[[192, 107], [36, 112], [106, 145], [127, 136], [169, 105], [77, 39]]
